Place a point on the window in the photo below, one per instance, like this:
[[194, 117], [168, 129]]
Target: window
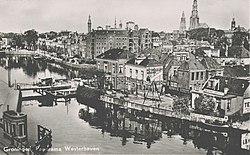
[[136, 73], [228, 104], [197, 75], [13, 129], [202, 75], [192, 77], [105, 67], [175, 72], [120, 68], [130, 71], [21, 130], [142, 75], [98, 65], [113, 68]]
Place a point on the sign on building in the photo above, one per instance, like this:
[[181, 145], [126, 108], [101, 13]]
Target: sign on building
[[246, 106]]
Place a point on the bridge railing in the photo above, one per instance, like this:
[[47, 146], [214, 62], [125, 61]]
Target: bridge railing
[[23, 85]]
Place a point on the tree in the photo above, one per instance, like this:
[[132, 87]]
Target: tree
[[31, 37], [181, 106], [204, 105], [18, 40], [93, 73], [238, 37]]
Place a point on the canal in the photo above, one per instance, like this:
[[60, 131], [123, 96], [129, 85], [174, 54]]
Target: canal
[[74, 134]]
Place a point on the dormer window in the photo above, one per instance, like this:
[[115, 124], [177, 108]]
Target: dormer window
[[243, 85]]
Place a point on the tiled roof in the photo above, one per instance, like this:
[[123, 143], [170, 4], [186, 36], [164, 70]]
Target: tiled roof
[[192, 64], [238, 52], [147, 62], [155, 34], [235, 86], [236, 71], [210, 63], [114, 54]]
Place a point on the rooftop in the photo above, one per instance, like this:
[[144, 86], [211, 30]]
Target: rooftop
[[235, 86], [238, 52], [115, 54], [146, 62]]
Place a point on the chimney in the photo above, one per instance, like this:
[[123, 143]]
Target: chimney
[[8, 107]]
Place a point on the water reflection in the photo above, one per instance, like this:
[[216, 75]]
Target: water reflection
[[121, 123], [139, 126], [31, 66]]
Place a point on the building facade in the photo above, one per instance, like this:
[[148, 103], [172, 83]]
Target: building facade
[[112, 62], [141, 71], [231, 94], [15, 125]]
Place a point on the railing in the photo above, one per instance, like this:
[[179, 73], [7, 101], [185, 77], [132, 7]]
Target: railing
[[23, 85]]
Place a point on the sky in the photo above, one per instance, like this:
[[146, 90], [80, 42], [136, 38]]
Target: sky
[[157, 15]]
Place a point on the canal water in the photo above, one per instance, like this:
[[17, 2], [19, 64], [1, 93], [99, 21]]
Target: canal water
[[72, 134]]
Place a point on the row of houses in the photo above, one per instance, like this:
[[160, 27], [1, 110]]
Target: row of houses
[[179, 73]]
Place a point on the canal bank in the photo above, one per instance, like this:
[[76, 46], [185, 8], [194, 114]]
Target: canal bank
[[8, 101], [68, 130], [71, 131]]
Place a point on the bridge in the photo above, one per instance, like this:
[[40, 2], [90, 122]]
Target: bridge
[[65, 94], [37, 88]]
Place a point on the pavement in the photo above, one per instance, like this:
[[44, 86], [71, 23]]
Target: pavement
[[8, 96]]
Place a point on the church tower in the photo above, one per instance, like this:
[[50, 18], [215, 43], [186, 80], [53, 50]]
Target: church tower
[[194, 19], [89, 25], [233, 24], [120, 25], [182, 23], [115, 22]]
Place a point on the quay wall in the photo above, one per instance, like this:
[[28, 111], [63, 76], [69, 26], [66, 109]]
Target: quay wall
[[8, 96]]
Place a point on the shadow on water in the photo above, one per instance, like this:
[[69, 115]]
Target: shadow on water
[[145, 128], [120, 123], [31, 67]]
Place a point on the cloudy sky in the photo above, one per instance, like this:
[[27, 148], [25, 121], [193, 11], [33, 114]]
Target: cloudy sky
[[158, 15]]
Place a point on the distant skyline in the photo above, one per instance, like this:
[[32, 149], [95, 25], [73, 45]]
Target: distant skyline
[[157, 15]]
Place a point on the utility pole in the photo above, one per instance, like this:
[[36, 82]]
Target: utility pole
[[9, 72]]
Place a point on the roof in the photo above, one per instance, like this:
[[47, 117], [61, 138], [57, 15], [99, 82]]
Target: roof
[[114, 54], [238, 52], [235, 86], [236, 71], [147, 62], [155, 34], [111, 31], [192, 64], [210, 63]]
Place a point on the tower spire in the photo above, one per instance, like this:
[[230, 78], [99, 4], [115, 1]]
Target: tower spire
[[194, 19], [115, 22], [233, 24], [120, 25], [89, 24], [183, 23]]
